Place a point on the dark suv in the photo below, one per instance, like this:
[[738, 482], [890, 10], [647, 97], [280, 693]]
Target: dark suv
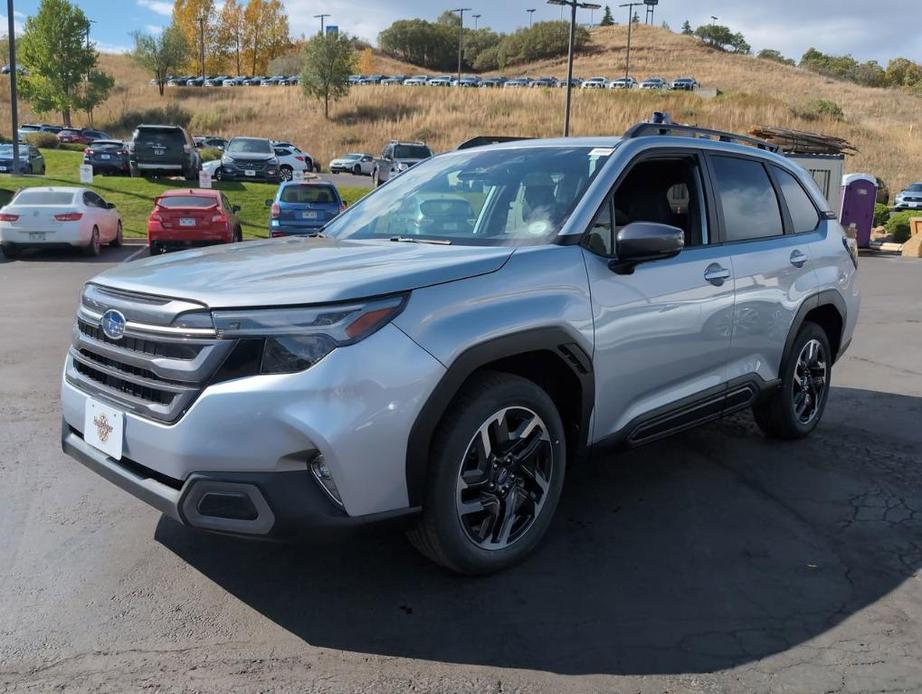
[[163, 150]]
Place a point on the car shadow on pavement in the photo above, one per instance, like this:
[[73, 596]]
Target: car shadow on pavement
[[107, 255], [706, 551]]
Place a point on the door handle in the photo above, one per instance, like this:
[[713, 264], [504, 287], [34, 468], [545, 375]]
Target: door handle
[[798, 259], [715, 273]]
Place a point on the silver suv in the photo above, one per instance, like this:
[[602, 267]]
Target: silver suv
[[396, 158], [449, 345]]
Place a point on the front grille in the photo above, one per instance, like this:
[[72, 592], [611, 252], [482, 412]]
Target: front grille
[[251, 165], [155, 370]]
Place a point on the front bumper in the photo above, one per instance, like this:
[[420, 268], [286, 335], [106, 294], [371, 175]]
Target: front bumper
[[356, 407], [276, 505]]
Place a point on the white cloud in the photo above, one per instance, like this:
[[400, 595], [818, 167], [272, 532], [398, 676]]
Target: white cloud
[[153, 29], [104, 47], [4, 24], [158, 6]]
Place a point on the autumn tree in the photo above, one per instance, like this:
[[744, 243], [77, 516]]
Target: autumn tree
[[161, 55], [60, 66], [328, 61], [230, 32], [366, 62], [197, 21], [265, 34]]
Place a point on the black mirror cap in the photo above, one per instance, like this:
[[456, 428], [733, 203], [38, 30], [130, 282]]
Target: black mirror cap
[[110, 205], [235, 208], [643, 242]]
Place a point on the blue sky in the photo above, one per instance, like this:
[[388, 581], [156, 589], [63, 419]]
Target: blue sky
[[867, 30]]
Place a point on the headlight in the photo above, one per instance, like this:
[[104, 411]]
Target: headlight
[[227, 161], [294, 339], [274, 161]]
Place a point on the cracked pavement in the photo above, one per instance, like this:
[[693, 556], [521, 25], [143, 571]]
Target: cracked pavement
[[716, 561]]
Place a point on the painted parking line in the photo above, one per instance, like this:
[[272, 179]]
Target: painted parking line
[[142, 249]]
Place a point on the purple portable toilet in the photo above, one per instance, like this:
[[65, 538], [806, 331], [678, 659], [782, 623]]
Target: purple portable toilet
[[859, 193]]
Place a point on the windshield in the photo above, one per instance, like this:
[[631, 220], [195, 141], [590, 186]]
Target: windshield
[[7, 151], [249, 145], [351, 156], [411, 152], [915, 188], [44, 197], [481, 197]]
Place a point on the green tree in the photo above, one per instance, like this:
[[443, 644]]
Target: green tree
[[687, 28], [775, 56], [328, 62], [161, 55], [721, 38], [57, 60], [607, 18]]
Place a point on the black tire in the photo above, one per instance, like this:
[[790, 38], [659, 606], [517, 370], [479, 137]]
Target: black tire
[[357, 170], [286, 173], [218, 174], [94, 248], [11, 252], [443, 534], [238, 235], [155, 248], [119, 236], [378, 181], [780, 416]]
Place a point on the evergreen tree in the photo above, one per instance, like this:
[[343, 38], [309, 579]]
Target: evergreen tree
[[607, 18]]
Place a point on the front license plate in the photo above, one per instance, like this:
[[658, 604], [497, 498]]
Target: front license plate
[[308, 214], [186, 222], [249, 172], [36, 235], [103, 428]]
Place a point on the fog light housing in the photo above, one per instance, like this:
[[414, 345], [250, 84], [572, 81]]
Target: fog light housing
[[324, 478]]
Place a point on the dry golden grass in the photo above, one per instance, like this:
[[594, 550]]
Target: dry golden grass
[[883, 124]]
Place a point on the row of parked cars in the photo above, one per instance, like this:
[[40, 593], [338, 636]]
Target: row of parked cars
[[473, 81], [230, 81], [76, 217]]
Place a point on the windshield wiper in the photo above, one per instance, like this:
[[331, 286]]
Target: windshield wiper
[[410, 239]]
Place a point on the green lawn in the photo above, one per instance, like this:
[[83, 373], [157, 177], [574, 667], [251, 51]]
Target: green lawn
[[134, 197]]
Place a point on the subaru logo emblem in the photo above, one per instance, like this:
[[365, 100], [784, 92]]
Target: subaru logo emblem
[[113, 324]]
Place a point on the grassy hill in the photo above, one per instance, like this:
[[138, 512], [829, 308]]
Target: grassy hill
[[884, 124]]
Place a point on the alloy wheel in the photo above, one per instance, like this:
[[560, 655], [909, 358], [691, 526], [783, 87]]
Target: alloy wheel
[[810, 377], [504, 478]]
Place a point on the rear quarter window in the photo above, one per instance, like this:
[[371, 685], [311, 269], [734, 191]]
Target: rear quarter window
[[804, 216]]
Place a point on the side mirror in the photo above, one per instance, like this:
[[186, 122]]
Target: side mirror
[[110, 205], [268, 203], [643, 242], [345, 204], [235, 208]]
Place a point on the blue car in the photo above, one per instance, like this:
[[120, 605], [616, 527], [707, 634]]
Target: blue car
[[303, 207]]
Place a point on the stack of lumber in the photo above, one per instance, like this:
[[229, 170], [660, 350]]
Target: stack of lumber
[[801, 142]]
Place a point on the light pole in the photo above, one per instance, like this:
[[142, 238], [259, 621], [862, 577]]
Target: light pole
[[630, 25], [714, 19], [531, 14], [573, 5], [461, 11], [14, 111], [201, 25], [476, 20], [321, 17]]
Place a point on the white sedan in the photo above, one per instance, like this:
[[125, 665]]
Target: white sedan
[[60, 217], [358, 163]]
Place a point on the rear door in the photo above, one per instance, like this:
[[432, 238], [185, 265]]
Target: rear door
[[771, 263], [159, 146]]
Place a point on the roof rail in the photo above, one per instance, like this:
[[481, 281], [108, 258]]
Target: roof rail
[[676, 129], [481, 140]]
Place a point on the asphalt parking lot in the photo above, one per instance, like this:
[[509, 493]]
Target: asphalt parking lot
[[714, 561]]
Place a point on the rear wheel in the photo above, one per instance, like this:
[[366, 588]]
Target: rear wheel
[[497, 470], [94, 247], [238, 235], [11, 252], [119, 236], [155, 248], [795, 409]]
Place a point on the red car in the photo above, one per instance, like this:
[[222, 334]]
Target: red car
[[188, 217], [81, 137]]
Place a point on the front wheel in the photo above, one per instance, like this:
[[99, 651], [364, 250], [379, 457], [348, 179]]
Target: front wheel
[[495, 477], [286, 173], [119, 236], [794, 410], [356, 170]]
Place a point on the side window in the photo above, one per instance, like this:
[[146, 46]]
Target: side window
[[747, 198], [804, 216], [92, 200]]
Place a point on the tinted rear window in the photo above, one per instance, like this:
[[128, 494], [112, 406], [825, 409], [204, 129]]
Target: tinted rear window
[[187, 201], [312, 194], [43, 197], [106, 146], [411, 152], [162, 137]]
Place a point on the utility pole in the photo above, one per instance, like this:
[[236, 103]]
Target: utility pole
[[531, 14], [461, 11], [321, 17], [11, 35], [573, 5], [476, 20], [89, 23], [201, 26], [630, 25]]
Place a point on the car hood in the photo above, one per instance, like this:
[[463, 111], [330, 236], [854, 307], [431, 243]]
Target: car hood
[[301, 271]]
